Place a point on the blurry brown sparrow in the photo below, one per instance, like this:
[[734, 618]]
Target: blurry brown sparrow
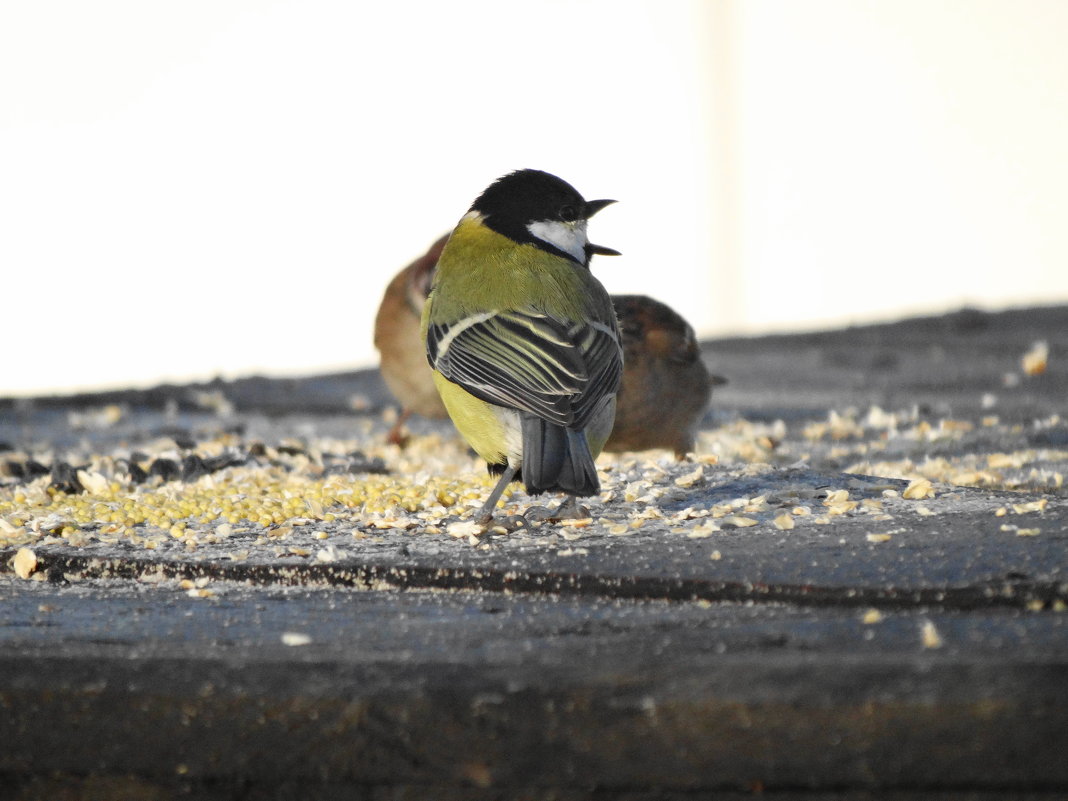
[[666, 386], [402, 354]]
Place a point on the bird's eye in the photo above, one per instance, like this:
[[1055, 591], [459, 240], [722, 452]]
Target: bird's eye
[[569, 214]]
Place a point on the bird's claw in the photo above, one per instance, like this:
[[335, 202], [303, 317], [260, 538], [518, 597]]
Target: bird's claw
[[570, 509], [538, 514], [513, 523]]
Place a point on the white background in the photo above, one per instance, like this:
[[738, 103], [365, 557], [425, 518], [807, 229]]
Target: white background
[[225, 187]]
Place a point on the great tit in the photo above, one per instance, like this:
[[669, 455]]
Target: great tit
[[666, 385], [523, 340]]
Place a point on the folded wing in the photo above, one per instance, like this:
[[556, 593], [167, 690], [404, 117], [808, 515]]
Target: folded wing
[[559, 371]]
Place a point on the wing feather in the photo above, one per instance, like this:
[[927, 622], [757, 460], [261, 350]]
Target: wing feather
[[532, 362]]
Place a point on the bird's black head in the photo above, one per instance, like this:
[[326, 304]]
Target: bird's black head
[[534, 207]]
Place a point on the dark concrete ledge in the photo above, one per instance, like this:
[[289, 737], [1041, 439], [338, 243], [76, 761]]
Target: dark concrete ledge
[[510, 698], [814, 663]]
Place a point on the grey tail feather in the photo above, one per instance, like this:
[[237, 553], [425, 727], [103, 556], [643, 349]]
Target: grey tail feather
[[556, 458]]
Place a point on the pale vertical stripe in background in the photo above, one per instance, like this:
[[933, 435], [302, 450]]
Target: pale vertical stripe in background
[[226, 187]]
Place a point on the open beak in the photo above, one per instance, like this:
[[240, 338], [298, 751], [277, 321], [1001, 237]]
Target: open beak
[[592, 207]]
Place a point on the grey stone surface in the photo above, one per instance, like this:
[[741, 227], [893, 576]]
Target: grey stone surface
[[517, 693], [930, 659]]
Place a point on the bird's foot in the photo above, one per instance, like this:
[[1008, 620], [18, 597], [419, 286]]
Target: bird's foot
[[538, 514], [505, 525], [398, 435], [570, 509]]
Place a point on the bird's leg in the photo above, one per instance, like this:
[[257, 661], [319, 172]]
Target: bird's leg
[[569, 509], [396, 434], [485, 514]]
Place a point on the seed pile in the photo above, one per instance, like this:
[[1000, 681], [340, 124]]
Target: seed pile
[[985, 453], [303, 496], [206, 492]]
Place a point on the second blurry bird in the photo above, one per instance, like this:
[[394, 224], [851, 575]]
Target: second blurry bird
[[666, 386], [403, 357]]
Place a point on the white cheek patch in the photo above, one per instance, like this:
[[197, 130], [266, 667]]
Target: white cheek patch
[[570, 238]]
